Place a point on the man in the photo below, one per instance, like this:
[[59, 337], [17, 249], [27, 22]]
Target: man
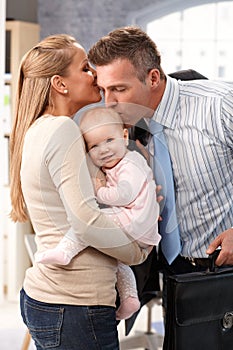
[[197, 120], [197, 117]]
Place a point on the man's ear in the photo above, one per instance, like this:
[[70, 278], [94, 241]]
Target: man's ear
[[154, 77], [58, 84]]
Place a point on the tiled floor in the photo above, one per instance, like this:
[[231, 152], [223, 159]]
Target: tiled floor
[[12, 329]]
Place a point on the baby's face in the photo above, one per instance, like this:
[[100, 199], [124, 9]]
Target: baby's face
[[106, 144]]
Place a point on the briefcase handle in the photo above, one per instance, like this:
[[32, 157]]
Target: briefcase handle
[[212, 258]]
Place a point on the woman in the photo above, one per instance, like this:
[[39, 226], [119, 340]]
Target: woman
[[65, 307]]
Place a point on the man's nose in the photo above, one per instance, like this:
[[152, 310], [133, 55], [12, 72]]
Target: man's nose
[[109, 98]]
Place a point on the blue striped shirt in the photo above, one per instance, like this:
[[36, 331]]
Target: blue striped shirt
[[198, 123]]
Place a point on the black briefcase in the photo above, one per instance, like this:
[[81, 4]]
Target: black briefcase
[[200, 311]]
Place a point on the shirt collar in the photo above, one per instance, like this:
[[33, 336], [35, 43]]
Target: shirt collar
[[165, 113]]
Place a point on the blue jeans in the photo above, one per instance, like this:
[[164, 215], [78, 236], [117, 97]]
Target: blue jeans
[[69, 327]]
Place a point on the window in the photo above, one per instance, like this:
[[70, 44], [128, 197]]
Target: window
[[199, 37]]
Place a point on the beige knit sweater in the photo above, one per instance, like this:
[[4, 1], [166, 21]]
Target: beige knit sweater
[[58, 192]]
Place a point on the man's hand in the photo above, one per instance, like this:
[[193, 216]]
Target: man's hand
[[225, 241]]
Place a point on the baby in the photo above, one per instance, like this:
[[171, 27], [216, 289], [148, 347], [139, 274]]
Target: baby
[[129, 193]]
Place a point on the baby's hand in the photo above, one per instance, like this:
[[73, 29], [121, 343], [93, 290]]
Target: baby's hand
[[98, 182]]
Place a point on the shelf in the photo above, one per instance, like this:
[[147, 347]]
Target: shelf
[[20, 37]]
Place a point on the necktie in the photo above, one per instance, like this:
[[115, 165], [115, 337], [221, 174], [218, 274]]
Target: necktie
[[168, 227]]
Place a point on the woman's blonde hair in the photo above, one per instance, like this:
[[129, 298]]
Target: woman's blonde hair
[[51, 56]]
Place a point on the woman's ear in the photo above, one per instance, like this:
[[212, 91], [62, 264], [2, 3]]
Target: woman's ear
[[58, 84], [154, 77]]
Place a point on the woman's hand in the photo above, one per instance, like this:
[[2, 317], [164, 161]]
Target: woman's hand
[[145, 153], [143, 150], [98, 182]]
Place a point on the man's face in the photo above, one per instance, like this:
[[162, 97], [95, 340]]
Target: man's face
[[124, 91]]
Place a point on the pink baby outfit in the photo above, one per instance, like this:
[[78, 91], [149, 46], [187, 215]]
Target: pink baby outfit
[[131, 193]]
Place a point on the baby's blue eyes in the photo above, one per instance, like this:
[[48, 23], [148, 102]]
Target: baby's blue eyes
[[107, 141]]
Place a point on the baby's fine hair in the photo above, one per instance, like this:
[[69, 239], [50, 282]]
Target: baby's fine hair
[[98, 116]]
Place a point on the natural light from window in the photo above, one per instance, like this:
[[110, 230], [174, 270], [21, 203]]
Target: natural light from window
[[200, 38]]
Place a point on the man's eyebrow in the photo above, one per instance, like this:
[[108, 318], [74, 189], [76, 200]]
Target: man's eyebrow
[[112, 86]]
